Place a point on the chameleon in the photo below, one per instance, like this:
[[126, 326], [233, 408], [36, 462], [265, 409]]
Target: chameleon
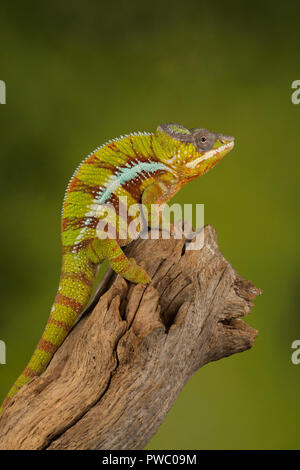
[[146, 168]]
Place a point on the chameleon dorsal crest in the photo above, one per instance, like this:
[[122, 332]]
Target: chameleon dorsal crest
[[177, 132]]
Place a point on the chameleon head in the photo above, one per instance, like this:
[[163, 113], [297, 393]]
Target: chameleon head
[[192, 152]]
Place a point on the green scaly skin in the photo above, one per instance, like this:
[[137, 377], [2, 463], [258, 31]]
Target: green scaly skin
[[144, 167]]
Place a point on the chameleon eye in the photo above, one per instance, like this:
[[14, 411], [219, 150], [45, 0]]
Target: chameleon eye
[[203, 140]]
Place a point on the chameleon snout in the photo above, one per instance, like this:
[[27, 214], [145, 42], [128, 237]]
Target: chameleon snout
[[225, 138]]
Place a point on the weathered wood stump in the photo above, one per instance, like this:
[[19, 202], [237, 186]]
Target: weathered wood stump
[[119, 371]]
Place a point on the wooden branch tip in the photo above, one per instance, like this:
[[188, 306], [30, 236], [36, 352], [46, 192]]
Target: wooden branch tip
[[112, 382]]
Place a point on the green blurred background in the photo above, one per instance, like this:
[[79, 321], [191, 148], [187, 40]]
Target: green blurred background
[[79, 73]]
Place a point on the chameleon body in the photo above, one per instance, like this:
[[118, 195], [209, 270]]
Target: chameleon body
[[146, 168]]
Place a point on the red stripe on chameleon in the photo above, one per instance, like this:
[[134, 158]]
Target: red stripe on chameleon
[[117, 259], [92, 159], [112, 146], [119, 206], [79, 222], [29, 373], [77, 247], [47, 346], [133, 148], [61, 324], [78, 277], [78, 185], [73, 183], [105, 166], [64, 300], [6, 401]]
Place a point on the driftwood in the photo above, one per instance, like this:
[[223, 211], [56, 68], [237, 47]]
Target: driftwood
[[119, 371]]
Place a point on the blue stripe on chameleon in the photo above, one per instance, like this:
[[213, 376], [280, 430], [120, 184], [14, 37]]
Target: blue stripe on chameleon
[[127, 174]]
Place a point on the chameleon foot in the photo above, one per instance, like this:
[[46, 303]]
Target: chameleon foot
[[135, 273]]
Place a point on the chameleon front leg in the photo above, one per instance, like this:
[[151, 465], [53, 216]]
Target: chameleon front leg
[[154, 198], [127, 267]]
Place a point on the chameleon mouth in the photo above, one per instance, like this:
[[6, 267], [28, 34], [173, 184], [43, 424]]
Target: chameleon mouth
[[212, 153]]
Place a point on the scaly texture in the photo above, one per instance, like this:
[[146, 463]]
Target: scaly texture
[[137, 168]]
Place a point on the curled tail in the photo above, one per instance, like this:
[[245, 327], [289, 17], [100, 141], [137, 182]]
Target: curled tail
[[73, 294]]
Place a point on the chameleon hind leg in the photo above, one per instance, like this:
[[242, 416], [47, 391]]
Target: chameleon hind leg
[[127, 267]]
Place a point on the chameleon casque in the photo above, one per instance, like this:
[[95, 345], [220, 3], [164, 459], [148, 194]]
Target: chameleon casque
[[147, 168]]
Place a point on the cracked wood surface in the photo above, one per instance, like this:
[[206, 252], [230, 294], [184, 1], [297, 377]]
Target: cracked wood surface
[[112, 382]]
